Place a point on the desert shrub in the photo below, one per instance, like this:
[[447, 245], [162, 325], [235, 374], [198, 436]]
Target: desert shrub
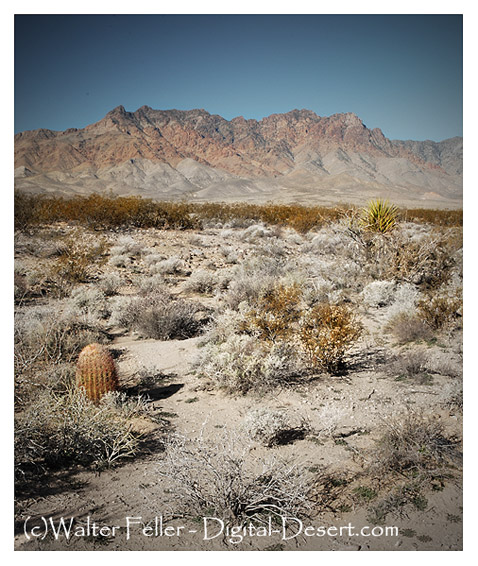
[[252, 278], [109, 284], [332, 240], [123, 260], [60, 378], [105, 212], [427, 262], [252, 233], [21, 289], [224, 324], [221, 481], [449, 218], [274, 428], [320, 290], [378, 293], [150, 284], [326, 333], [440, 310], [242, 363], [379, 216], [405, 300], [453, 396], [330, 415], [201, 281], [126, 245], [443, 363], [170, 266], [59, 431], [88, 302], [414, 443], [74, 262], [43, 335], [118, 307], [409, 328], [153, 258], [411, 364], [274, 313], [161, 316], [230, 254], [102, 212], [44, 339], [125, 406]]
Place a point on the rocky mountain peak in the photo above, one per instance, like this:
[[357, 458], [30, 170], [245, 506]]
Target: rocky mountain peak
[[193, 148]]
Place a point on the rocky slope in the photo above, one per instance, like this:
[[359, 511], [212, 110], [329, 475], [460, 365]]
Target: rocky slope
[[297, 156]]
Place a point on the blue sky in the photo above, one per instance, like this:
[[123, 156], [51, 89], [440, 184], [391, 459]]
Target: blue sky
[[400, 73]]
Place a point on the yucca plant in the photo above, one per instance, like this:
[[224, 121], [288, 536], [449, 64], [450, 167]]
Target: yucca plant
[[379, 216]]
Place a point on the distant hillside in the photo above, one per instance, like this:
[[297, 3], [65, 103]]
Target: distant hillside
[[297, 156]]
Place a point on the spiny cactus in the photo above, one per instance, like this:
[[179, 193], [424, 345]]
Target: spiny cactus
[[96, 371]]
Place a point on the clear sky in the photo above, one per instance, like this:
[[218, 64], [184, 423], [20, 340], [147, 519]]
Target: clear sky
[[403, 74]]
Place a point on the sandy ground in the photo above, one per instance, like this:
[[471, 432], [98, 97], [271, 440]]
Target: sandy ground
[[359, 403]]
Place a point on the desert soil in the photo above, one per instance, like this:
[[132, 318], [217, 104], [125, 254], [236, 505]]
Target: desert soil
[[359, 404]]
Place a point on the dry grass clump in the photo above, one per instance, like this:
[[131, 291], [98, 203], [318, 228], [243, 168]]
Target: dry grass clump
[[414, 444], [58, 431], [220, 480], [409, 328], [43, 340], [161, 316], [275, 428], [411, 364], [326, 333]]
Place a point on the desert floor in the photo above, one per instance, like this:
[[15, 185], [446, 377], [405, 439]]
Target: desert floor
[[387, 380]]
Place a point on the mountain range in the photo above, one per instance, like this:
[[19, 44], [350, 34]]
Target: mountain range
[[192, 154]]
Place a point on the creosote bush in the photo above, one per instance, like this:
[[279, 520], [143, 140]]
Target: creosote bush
[[106, 212], [326, 333]]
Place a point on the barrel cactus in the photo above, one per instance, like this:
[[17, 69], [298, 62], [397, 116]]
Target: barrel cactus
[[96, 372]]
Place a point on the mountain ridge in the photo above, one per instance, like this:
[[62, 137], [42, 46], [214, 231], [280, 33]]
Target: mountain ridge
[[297, 155]]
